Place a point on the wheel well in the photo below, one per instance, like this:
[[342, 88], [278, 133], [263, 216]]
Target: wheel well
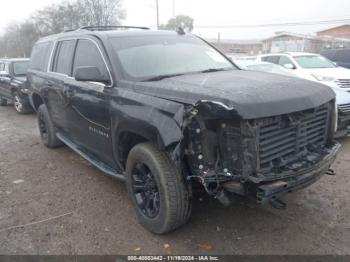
[[127, 141], [37, 101]]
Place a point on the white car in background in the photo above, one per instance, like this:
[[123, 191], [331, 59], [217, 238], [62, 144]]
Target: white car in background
[[317, 68], [262, 67], [313, 67]]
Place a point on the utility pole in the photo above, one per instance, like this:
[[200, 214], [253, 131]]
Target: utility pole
[[157, 14]]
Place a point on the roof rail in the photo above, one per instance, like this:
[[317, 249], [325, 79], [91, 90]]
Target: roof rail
[[111, 27]]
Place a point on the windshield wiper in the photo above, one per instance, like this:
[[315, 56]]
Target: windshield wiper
[[160, 77], [214, 70]]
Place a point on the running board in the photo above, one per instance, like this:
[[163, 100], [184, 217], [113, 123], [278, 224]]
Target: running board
[[97, 163]]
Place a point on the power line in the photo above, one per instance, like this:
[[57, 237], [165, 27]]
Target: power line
[[295, 23]]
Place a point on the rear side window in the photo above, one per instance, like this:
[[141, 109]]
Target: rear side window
[[87, 54], [40, 56], [62, 62], [342, 56], [271, 59]]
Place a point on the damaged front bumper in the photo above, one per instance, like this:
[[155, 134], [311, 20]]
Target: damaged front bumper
[[270, 191]]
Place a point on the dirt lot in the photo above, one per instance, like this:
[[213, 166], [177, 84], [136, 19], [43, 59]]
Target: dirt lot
[[69, 207]]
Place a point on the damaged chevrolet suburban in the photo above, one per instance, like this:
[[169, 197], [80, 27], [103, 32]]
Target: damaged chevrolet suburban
[[165, 110]]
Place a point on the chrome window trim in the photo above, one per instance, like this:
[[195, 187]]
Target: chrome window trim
[[67, 76]]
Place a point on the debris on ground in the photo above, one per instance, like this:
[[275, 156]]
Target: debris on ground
[[167, 249], [205, 246]]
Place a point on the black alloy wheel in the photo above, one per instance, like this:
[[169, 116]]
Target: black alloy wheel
[[145, 190], [161, 196]]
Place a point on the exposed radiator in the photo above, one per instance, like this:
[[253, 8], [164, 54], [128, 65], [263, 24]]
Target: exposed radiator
[[281, 138]]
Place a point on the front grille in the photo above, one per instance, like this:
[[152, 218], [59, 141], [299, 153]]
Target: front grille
[[284, 138], [343, 83], [344, 109]]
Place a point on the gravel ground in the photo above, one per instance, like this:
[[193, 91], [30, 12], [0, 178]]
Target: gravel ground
[[67, 206]]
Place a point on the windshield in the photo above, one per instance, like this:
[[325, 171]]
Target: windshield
[[146, 57], [313, 62], [20, 68]]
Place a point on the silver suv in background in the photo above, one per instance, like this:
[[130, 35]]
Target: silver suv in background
[[319, 69]]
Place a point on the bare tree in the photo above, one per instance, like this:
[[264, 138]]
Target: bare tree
[[102, 12], [18, 39]]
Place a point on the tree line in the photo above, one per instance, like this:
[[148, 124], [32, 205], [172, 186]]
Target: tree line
[[18, 38]]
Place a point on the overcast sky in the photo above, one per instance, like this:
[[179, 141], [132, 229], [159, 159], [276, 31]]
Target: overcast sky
[[212, 13]]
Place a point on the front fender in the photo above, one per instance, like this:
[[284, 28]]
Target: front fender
[[156, 119]]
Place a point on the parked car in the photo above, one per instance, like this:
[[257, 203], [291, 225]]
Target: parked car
[[317, 68], [162, 110], [13, 84], [340, 56], [262, 67], [312, 67]]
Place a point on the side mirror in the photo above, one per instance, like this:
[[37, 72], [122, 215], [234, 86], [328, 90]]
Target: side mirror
[[4, 74], [89, 73], [289, 66]]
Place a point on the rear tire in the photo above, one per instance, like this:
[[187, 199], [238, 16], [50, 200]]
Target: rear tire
[[47, 129], [3, 102], [20, 105], [150, 170]]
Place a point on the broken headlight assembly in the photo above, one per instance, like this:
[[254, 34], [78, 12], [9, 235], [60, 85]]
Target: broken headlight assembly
[[227, 153], [217, 149]]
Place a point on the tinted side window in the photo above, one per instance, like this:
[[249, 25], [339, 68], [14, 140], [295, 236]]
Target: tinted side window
[[40, 56], [271, 59], [342, 56], [63, 57], [87, 54]]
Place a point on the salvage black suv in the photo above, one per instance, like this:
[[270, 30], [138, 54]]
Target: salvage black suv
[[13, 84], [165, 110]]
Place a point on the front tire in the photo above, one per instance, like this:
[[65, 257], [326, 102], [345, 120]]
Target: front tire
[[161, 197], [47, 128], [20, 105]]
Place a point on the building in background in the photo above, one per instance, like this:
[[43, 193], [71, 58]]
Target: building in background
[[342, 31], [237, 47], [292, 42], [336, 37]]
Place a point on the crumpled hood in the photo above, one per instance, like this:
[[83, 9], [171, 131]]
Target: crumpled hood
[[251, 94]]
